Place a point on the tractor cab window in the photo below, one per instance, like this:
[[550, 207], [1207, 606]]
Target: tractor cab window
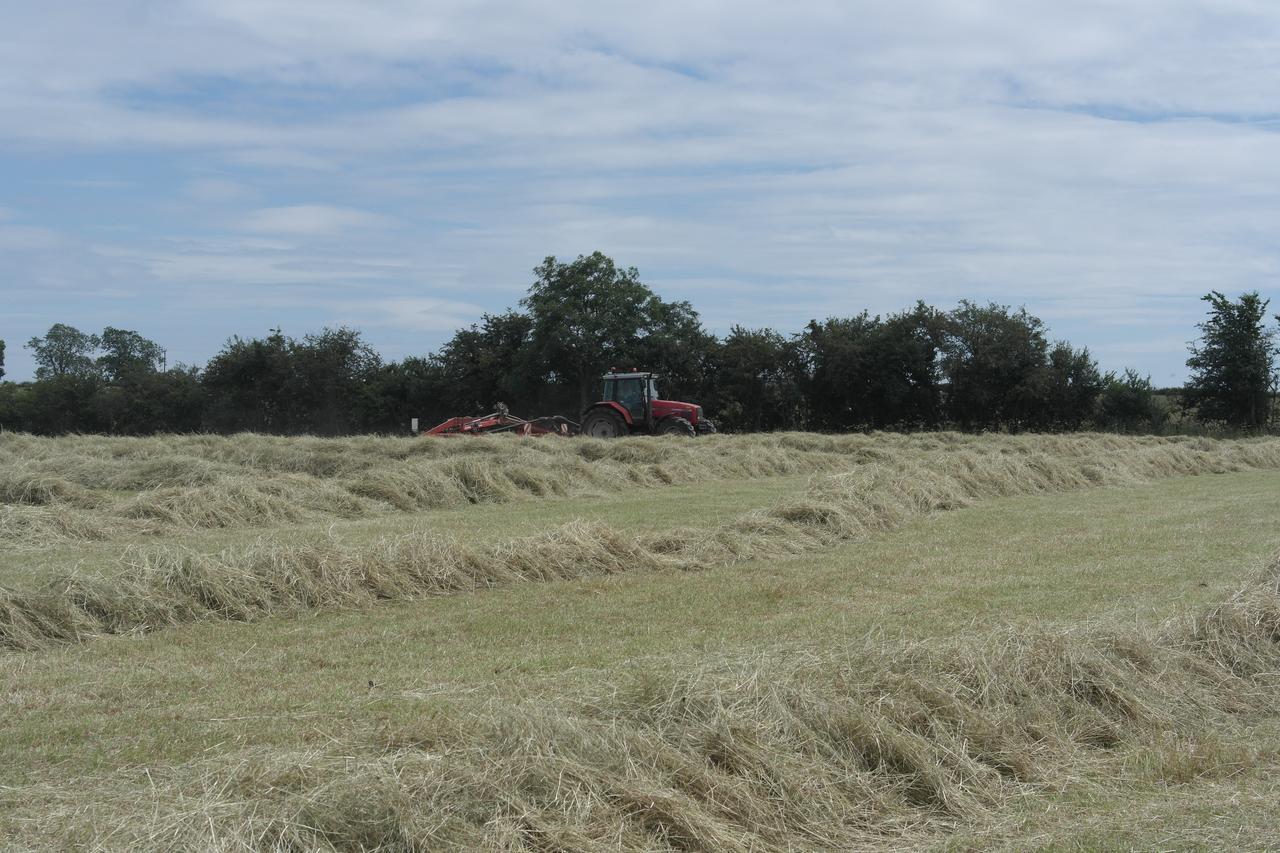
[[630, 393], [653, 389]]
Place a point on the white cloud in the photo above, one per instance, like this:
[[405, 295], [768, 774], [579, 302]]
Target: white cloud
[[426, 314], [1102, 163], [313, 220]]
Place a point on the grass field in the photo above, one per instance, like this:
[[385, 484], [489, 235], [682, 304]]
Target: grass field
[[784, 642]]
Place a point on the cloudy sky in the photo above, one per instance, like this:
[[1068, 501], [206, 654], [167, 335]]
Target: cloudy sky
[[194, 169]]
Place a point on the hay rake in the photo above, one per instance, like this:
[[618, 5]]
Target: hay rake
[[502, 420]]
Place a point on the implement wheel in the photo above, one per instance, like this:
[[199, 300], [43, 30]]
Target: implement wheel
[[676, 426], [603, 423]]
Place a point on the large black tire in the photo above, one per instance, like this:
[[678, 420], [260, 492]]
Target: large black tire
[[675, 426], [603, 423]]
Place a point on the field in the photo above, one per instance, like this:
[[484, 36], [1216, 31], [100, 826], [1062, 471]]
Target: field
[[783, 642]]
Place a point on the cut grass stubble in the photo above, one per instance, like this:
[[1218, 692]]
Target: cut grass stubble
[[171, 586], [852, 748], [95, 488]]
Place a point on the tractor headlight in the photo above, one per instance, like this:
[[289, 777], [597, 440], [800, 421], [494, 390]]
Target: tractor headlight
[[697, 412]]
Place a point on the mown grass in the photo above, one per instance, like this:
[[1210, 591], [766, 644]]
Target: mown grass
[[641, 510], [948, 644], [87, 488], [97, 735], [884, 488]]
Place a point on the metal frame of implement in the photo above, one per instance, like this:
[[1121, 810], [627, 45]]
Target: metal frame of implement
[[503, 421]]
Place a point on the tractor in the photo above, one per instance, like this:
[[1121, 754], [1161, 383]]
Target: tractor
[[630, 405]]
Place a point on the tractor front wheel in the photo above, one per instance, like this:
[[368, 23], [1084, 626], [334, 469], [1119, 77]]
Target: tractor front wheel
[[603, 423], [676, 426]]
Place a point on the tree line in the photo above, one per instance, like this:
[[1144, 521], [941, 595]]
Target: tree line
[[973, 367]]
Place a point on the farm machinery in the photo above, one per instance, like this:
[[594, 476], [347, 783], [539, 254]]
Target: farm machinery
[[629, 405], [501, 420]]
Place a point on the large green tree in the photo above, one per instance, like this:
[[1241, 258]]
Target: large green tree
[[755, 382], [994, 361], [412, 388], [590, 315], [149, 402], [873, 372], [64, 351], [323, 384], [332, 380], [127, 356], [1128, 404], [1, 359], [1071, 389], [674, 344], [248, 384], [1232, 366], [490, 363]]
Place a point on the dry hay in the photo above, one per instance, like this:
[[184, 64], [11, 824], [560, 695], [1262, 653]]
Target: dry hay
[[862, 747], [136, 486], [131, 486], [172, 585]]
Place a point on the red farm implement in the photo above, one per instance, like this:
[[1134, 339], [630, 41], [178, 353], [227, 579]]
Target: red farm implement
[[630, 405], [503, 421]]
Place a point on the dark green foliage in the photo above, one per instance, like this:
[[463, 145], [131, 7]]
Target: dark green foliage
[[586, 316], [323, 384], [415, 387], [976, 367], [64, 351], [757, 382], [332, 381], [157, 401], [589, 316], [1128, 404], [164, 401], [869, 373], [675, 345], [127, 355], [56, 404], [247, 383], [1072, 388], [122, 390], [1, 359], [487, 364], [1232, 366], [994, 363]]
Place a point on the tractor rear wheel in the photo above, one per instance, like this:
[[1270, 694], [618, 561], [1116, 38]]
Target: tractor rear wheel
[[676, 426], [603, 423]]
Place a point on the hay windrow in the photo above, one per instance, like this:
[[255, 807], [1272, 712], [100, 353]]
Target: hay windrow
[[138, 486], [861, 746], [247, 583]]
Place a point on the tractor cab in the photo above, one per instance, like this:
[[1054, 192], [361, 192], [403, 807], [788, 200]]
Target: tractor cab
[[633, 391], [630, 404]]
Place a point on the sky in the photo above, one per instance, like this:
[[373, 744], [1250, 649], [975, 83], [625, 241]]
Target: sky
[[196, 169]]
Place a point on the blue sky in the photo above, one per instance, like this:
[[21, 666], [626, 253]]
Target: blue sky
[[195, 169]]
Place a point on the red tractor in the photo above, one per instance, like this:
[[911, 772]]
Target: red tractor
[[630, 405]]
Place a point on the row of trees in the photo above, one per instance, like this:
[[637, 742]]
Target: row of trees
[[975, 367]]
